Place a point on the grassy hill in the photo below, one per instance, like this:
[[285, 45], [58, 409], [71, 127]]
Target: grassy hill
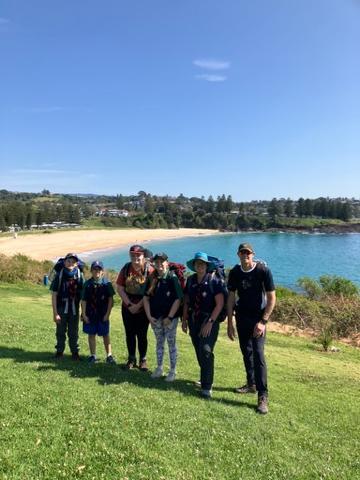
[[72, 420]]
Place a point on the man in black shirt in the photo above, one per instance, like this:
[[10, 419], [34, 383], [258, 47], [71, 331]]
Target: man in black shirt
[[253, 283]]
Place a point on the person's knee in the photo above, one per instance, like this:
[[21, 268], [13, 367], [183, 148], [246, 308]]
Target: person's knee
[[206, 351]]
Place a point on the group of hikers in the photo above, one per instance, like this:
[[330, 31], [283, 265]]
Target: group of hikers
[[155, 292]]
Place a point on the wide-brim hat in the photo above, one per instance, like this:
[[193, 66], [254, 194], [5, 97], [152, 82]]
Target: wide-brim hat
[[200, 256]]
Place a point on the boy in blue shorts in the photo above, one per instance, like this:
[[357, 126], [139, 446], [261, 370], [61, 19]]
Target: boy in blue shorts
[[96, 304]]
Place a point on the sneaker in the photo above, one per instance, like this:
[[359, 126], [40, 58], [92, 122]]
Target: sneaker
[[58, 355], [129, 365], [143, 365], [262, 406], [75, 356], [110, 359], [246, 389], [170, 377], [205, 393], [157, 373], [91, 359]]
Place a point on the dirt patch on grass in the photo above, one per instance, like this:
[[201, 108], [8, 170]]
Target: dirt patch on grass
[[292, 331]]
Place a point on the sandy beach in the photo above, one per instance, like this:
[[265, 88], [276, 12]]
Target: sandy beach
[[43, 246]]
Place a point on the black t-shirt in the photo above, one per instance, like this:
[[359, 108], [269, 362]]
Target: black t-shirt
[[251, 287]]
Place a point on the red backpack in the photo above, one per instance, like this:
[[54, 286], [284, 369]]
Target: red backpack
[[179, 270]]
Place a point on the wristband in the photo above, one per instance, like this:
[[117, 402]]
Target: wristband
[[211, 320], [170, 318], [264, 321]]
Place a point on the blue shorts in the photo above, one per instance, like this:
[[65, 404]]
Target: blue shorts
[[99, 328]]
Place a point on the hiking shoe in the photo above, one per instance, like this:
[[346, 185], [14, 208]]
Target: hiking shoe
[[75, 356], [58, 355], [157, 373], [143, 365], [129, 365], [170, 377], [110, 359], [205, 393], [246, 389], [262, 406], [91, 359]]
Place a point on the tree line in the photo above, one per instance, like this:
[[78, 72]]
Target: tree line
[[152, 211]]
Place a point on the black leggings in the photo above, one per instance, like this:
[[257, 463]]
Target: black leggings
[[136, 327]]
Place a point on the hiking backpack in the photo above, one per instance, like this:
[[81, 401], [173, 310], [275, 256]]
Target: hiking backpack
[[219, 272], [60, 264], [179, 270]]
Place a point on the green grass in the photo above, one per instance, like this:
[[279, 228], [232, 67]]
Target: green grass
[[72, 420]]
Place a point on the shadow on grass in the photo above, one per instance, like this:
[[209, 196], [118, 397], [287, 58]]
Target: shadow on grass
[[112, 374]]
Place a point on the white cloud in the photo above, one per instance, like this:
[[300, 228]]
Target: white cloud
[[211, 77], [41, 171], [51, 109], [211, 64], [40, 109]]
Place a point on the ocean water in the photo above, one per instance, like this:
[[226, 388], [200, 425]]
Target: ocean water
[[289, 255]]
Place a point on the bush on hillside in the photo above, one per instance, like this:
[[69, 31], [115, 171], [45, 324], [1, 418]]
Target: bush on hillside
[[19, 268], [328, 285], [339, 314]]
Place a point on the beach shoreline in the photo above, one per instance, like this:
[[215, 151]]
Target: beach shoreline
[[48, 246]]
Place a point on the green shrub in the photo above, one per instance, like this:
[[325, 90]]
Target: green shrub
[[334, 285], [20, 268], [342, 314], [283, 292], [328, 285], [311, 287]]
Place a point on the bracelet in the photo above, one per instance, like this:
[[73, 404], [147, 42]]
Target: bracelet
[[264, 321], [211, 320], [170, 318]]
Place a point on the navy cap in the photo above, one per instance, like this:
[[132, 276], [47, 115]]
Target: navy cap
[[97, 264], [72, 255]]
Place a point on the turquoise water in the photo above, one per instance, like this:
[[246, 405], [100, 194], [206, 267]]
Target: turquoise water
[[289, 255]]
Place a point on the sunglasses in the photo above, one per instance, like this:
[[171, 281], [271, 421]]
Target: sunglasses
[[245, 252]]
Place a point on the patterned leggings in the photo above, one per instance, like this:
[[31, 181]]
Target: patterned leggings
[[169, 333]]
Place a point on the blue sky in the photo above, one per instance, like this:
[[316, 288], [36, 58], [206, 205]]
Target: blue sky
[[257, 99]]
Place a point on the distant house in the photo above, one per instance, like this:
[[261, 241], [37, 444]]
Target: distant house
[[113, 212]]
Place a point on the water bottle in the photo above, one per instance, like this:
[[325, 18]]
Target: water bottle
[[46, 280]]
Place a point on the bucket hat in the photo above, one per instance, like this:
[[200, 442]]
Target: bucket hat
[[200, 256]]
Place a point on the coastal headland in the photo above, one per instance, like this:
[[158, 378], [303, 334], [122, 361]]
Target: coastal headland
[[47, 246]]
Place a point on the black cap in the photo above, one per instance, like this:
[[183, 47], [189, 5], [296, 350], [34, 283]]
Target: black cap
[[160, 256], [97, 264], [246, 246], [72, 255]]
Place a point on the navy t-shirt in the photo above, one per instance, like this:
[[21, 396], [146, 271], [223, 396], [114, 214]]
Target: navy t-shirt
[[166, 291], [96, 295], [68, 285], [251, 288], [205, 291]]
